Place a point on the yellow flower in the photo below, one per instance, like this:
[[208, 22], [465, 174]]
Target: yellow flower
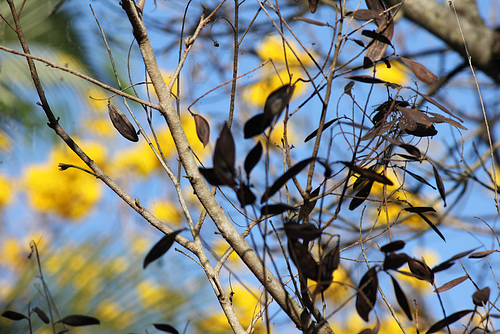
[[167, 212], [272, 47], [138, 160], [5, 191], [100, 126], [97, 100], [246, 306], [70, 193], [167, 78], [152, 295], [220, 248], [398, 73]]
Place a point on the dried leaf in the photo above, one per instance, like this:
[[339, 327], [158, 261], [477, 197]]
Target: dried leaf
[[256, 125], [438, 118], [412, 150], [368, 173], [315, 132], [481, 254], [316, 23], [481, 297], [420, 209], [303, 260], [13, 315], [367, 293], [415, 116], [277, 101], [376, 36], [308, 207], [423, 131], [121, 123], [448, 263], [376, 49], [365, 15], [401, 298], [421, 270], [367, 79], [361, 196], [313, 5], [439, 105], [77, 320], [447, 321], [373, 330], [166, 328], [375, 5], [395, 260], [202, 129], [253, 158], [439, 184], [306, 231], [41, 314], [161, 247], [420, 71], [434, 227], [209, 175], [280, 182], [417, 177], [451, 284], [348, 88], [393, 246], [245, 195], [275, 209], [224, 156]]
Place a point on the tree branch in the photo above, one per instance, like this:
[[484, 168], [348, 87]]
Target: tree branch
[[483, 43]]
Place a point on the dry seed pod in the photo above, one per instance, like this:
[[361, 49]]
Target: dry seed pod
[[122, 124], [202, 129]]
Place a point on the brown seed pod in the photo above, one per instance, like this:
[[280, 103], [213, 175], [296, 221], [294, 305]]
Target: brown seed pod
[[121, 123]]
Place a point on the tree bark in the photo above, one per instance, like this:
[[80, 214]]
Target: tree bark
[[483, 43]]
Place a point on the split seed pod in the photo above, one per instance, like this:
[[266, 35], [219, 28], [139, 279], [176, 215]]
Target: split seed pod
[[122, 124]]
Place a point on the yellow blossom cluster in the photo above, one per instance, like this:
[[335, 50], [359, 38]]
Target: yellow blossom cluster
[[272, 48], [71, 193]]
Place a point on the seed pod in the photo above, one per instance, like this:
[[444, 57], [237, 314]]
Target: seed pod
[[122, 124]]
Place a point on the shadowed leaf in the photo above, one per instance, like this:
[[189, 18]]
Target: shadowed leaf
[[392, 246], [439, 184], [313, 5], [224, 156], [77, 320], [420, 209], [411, 149], [366, 79], [431, 224], [209, 175], [253, 157], [367, 294], [12, 315], [280, 182], [448, 263], [447, 321], [166, 328], [481, 297], [307, 208], [41, 314], [161, 247], [401, 298], [306, 231], [418, 177], [423, 131], [395, 260], [368, 173], [256, 125], [122, 124], [315, 132], [245, 195], [348, 88], [361, 196], [420, 71], [451, 284], [376, 36], [365, 15], [202, 129], [481, 254], [276, 209], [303, 260], [277, 101], [421, 270], [373, 330]]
